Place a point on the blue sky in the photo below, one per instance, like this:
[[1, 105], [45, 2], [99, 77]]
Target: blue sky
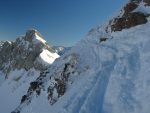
[[61, 22]]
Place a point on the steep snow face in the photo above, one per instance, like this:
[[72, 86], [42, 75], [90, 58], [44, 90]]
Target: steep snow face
[[107, 72], [48, 57], [142, 8], [114, 78], [14, 88]]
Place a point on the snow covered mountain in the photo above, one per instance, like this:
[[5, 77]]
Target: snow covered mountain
[[29, 51], [21, 62], [106, 72]]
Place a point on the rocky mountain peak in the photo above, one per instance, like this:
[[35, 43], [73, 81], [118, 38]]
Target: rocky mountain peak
[[32, 33], [25, 53]]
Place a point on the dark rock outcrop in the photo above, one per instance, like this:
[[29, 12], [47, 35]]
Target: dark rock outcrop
[[129, 18], [60, 80], [103, 39], [130, 7], [34, 88]]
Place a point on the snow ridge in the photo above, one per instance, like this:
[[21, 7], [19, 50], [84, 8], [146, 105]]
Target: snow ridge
[[107, 72]]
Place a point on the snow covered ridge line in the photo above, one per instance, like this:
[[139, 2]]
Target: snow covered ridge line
[[57, 83], [134, 13], [22, 62], [107, 72]]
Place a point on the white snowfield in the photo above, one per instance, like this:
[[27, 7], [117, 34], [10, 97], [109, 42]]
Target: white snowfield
[[117, 79], [47, 57], [109, 77], [18, 82], [12, 89]]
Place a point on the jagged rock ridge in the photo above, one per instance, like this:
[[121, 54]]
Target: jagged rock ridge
[[24, 52]]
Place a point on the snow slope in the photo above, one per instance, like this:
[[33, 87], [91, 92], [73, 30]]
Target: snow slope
[[106, 72], [115, 81], [14, 87], [15, 82], [48, 57]]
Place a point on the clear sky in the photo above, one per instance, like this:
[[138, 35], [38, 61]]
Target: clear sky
[[61, 22]]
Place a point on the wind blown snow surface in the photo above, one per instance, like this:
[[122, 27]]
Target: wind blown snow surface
[[14, 87], [113, 76], [15, 84]]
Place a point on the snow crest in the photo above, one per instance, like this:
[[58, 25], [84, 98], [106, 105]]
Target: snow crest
[[114, 78], [107, 72]]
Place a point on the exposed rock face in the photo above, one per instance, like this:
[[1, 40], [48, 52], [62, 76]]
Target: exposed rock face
[[129, 18], [57, 83], [147, 2], [22, 53], [29, 35], [130, 7], [103, 39]]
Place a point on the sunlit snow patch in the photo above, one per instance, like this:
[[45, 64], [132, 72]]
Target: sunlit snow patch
[[37, 39], [48, 57]]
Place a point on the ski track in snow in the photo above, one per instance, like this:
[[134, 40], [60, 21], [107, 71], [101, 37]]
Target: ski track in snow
[[94, 88], [91, 97], [91, 100]]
